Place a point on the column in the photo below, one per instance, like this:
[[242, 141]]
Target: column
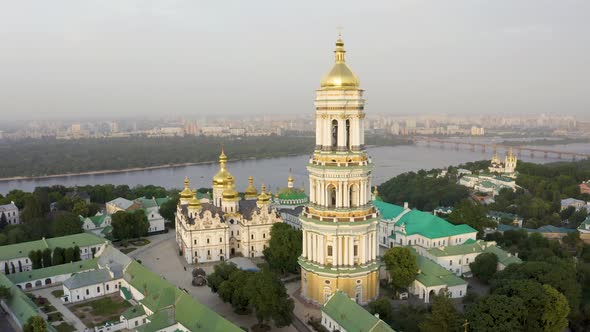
[[335, 248], [344, 251], [341, 134], [370, 246], [375, 247], [314, 252], [351, 250], [304, 253], [327, 134], [362, 249], [322, 251], [318, 130], [309, 249], [346, 194]]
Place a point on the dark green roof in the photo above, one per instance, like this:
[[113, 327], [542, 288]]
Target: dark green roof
[[51, 271], [388, 211], [430, 226], [351, 316], [20, 305], [133, 312], [432, 274], [22, 249]]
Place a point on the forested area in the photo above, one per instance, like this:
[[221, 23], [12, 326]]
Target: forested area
[[50, 156]]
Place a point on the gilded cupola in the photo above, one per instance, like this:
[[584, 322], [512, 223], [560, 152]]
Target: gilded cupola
[[220, 179], [263, 198], [194, 203], [251, 192], [186, 193], [230, 192], [340, 76]]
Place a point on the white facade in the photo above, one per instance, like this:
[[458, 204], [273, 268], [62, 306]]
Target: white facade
[[11, 213]]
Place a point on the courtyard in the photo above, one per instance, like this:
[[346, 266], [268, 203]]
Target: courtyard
[[161, 256], [97, 312]]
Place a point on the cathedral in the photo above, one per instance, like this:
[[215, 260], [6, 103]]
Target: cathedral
[[507, 167], [340, 222], [226, 224]]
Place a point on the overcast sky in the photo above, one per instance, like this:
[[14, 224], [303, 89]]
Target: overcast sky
[[117, 58]]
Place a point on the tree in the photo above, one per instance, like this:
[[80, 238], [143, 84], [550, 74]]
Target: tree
[[402, 266], [46, 256], [4, 292], [496, 313], [58, 256], [559, 273], [35, 324], [16, 235], [284, 248], [269, 299], [470, 213], [485, 265], [127, 225], [546, 308], [221, 273], [66, 223], [31, 210], [69, 255], [234, 291], [382, 307], [80, 208], [168, 208], [77, 257], [443, 316], [3, 220], [35, 258]]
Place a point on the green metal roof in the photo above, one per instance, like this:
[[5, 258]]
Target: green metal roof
[[126, 293], [503, 257], [162, 295], [430, 226], [158, 321], [133, 312], [292, 194], [351, 316], [461, 249], [388, 210], [22, 249], [52, 271], [20, 305], [432, 274]]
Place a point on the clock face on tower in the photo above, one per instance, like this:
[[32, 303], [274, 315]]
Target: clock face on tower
[[340, 222]]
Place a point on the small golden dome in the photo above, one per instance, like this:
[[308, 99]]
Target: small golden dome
[[194, 202], [229, 193], [251, 191], [220, 179], [341, 76], [263, 197], [186, 193]]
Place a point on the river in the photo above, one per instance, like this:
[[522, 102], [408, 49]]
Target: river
[[388, 161]]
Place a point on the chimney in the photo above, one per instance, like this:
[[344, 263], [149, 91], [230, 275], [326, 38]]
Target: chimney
[[377, 315], [406, 205]]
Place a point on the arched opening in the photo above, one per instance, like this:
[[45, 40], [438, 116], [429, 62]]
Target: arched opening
[[28, 285], [327, 292], [48, 281], [20, 266], [348, 134], [354, 195], [358, 295], [334, 133], [38, 283], [331, 196]]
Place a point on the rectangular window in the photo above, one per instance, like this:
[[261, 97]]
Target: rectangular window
[[451, 262], [107, 287], [466, 260], [252, 236], [356, 250], [195, 242], [329, 250], [220, 240], [98, 289], [87, 291]]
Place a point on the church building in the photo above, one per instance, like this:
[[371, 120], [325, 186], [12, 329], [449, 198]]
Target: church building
[[227, 225], [339, 223]]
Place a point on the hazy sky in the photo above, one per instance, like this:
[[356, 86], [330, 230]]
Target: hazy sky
[[84, 58]]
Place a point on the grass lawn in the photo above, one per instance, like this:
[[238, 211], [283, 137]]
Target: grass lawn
[[64, 327], [58, 293], [99, 311], [140, 242], [127, 250], [54, 317], [48, 308]]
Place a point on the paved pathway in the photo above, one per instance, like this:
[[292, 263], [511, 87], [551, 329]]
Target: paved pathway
[[68, 316], [161, 257]]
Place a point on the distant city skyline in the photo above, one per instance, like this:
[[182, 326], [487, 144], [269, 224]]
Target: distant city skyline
[[73, 60]]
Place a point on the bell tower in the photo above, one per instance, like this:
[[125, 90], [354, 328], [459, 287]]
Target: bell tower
[[340, 223]]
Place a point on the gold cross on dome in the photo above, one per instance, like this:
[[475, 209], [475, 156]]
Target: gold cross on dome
[[339, 28]]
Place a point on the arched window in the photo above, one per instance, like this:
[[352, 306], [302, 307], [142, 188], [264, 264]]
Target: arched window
[[354, 195], [348, 134], [331, 196], [334, 133]]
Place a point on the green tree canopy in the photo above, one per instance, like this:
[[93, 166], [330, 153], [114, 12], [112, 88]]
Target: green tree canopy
[[283, 248], [472, 214], [402, 266], [168, 208], [443, 316], [35, 324], [485, 265], [496, 313], [382, 306], [66, 223]]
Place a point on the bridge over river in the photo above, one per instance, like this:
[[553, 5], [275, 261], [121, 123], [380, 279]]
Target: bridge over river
[[518, 150]]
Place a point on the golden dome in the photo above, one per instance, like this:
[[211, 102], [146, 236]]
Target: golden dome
[[220, 179], [194, 202], [251, 191], [341, 76], [186, 193], [263, 197], [229, 193]]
